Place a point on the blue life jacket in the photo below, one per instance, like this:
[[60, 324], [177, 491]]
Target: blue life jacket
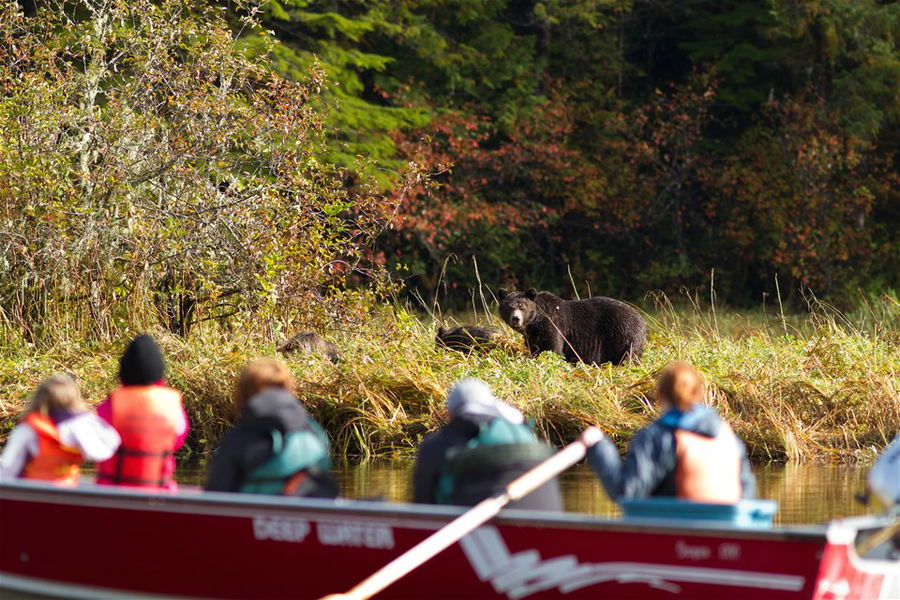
[[500, 452], [293, 455]]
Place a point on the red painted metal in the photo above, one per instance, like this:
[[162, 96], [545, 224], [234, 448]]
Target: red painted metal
[[95, 542]]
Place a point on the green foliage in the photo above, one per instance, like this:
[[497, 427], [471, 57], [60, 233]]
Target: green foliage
[[330, 35], [616, 141], [151, 169], [847, 52], [632, 192], [734, 37]]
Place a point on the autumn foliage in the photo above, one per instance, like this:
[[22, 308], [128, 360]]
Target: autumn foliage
[[655, 202], [628, 145]]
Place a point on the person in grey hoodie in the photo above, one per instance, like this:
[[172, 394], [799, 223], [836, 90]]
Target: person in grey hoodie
[[464, 453], [689, 452]]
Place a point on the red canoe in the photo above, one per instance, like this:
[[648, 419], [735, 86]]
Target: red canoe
[[96, 542]]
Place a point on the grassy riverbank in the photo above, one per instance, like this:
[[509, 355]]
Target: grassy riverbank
[[820, 386]]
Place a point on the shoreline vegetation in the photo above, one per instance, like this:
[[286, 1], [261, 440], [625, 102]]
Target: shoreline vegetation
[[822, 386]]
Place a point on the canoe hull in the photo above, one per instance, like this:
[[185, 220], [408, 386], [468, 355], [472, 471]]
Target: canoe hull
[[90, 541]]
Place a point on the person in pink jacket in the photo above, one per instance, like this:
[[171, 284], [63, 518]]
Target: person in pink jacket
[[148, 444]]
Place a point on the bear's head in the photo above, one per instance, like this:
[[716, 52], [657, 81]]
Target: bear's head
[[518, 308]]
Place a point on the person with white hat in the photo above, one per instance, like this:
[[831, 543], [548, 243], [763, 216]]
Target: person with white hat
[[485, 445]]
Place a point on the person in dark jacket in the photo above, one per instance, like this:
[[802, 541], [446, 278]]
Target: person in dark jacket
[[276, 447], [460, 464], [689, 452]]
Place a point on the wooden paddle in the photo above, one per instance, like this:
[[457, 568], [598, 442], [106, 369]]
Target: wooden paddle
[[468, 521]]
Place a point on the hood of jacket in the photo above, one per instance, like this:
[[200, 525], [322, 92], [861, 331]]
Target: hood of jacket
[[701, 419], [274, 408], [472, 399]]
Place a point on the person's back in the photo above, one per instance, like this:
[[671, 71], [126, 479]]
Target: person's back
[[883, 480], [484, 447], [276, 447], [149, 417], [689, 452], [883, 485], [56, 436]]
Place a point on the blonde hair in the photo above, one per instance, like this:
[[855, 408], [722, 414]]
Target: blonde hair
[[59, 392], [259, 375], [680, 385]]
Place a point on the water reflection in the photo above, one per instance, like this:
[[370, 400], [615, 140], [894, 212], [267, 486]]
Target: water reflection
[[812, 493], [806, 493]]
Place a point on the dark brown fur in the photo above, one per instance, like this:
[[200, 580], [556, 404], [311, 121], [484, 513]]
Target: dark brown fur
[[593, 330], [310, 343], [466, 338]]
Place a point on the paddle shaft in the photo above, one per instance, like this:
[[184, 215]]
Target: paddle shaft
[[878, 538], [471, 519]]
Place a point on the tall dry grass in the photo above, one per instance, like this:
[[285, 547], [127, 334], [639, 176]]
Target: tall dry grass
[[820, 386]]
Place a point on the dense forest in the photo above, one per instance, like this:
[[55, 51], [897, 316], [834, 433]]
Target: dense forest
[[629, 144]]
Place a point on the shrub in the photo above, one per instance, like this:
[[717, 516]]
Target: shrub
[[150, 170]]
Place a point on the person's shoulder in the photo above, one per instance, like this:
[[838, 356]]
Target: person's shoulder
[[80, 421], [440, 441], [174, 392], [243, 432], [655, 434], [653, 430], [22, 432], [241, 442], [433, 440]]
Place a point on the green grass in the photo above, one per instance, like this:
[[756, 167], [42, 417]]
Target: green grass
[[818, 386]]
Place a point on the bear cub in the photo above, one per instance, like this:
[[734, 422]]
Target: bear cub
[[466, 338], [310, 342], [594, 330]]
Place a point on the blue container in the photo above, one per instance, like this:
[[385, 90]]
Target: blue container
[[746, 513]]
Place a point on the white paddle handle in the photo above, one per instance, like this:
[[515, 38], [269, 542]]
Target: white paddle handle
[[471, 519]]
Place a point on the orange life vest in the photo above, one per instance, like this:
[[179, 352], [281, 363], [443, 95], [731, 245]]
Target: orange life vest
[[53, 461], [146, 419], [707, 469]]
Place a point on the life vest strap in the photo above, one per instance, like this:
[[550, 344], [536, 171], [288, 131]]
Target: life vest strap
[[294, 482], [120, 478]]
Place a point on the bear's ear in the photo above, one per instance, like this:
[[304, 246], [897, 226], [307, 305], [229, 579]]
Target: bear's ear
[[531, 293], [501, 293]]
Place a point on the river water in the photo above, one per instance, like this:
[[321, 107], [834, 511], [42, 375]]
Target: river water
[[806, 493]]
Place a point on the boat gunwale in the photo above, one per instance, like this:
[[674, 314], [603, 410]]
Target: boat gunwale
[[417, 516]]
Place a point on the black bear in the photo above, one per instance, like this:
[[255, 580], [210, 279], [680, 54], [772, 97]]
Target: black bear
[[466, 338], [594, 330], [310, 343]]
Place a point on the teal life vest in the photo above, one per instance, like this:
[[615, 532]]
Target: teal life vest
[[500, 452], [293, 454]]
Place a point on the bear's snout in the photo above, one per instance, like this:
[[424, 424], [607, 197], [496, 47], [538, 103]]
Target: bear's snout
[[515, 319]]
